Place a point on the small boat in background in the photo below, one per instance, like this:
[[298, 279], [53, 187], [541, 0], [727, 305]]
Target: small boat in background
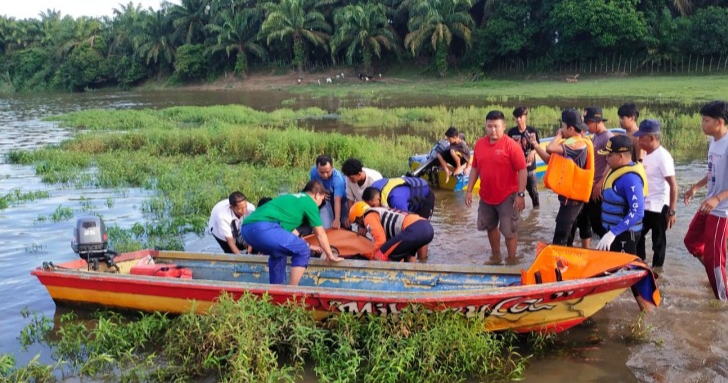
[[562, 288], [424, 165]]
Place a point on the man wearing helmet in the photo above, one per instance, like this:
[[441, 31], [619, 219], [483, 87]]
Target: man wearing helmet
[[397, 235]]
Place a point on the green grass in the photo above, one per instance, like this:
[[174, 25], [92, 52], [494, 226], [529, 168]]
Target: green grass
[[191, 169], [687, 89], [254, 340]]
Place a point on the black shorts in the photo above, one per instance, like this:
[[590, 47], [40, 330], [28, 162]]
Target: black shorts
[[427, 206]]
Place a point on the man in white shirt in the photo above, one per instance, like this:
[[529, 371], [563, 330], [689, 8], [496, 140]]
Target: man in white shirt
[[225, 221], [662, 189], [358, 178]]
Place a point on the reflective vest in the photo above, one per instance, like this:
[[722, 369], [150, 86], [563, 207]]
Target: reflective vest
[[615, 206], [418, 191], [391, 220], [567, 179]]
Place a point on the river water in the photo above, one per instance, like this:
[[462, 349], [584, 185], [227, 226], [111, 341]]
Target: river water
[[689, 341]]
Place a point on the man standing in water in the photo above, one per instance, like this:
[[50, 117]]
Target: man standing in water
[[706, 236], [590, 218], [569, 154], [661, 198], [628, 115], [499, 163], [522, 134], [623, 197]]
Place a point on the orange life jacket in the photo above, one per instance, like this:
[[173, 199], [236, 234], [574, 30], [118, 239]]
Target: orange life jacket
[[567, 179]]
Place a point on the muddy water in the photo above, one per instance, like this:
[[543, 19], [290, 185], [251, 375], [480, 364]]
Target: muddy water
[[689, 341]]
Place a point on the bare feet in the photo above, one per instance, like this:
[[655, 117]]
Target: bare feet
[[494, 261]]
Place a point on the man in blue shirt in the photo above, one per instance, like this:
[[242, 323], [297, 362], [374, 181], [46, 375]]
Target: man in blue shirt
[[334, 210], [623, 197]]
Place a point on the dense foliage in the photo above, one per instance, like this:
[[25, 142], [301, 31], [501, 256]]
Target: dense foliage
[[202, 39]]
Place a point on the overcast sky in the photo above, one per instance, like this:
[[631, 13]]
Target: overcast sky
[[21, 9]]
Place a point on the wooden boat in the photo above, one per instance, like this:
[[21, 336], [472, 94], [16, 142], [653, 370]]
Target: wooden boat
[[438, 177], [504, 298]]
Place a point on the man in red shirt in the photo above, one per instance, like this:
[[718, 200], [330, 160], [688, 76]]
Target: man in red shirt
[[500, 164]]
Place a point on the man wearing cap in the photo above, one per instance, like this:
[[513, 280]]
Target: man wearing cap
[[623, 197], [661, 198], [499, 163], [568, 153], [590, 218], [706, 236]]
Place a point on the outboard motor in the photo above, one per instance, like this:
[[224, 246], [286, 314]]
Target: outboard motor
[[91, 242]]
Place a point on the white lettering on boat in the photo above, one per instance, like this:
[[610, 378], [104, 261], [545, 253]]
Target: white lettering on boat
[[515, 305]]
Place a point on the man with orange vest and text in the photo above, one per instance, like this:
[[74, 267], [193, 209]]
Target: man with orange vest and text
[[570, 171], [397, 235]]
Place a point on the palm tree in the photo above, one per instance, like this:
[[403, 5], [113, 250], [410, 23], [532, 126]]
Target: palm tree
[[238, 35], [364, 31], [85, 31], [21, 34], [437, 21], [153, 43], [127, 19], [189, 20], [50, 24], [299, 21], [6, 26]]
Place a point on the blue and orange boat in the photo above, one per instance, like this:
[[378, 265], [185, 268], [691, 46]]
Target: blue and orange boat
[[563, 287]]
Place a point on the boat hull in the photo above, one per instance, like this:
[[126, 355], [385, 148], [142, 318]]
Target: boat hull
[[360, 287]]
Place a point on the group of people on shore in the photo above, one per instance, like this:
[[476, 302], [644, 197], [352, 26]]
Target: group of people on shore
[[619, 187]]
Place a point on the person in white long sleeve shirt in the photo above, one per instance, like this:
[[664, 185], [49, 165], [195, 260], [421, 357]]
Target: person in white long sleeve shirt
[[225, 221]]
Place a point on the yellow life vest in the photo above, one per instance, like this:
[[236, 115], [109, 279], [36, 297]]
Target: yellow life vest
[[567, 179], [614, 175], [387, 188]]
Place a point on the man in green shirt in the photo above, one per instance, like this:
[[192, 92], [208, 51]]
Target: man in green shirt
[[271, 230]]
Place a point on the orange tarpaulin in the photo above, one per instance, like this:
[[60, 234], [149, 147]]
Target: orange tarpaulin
[[559, 263], [348, 243]]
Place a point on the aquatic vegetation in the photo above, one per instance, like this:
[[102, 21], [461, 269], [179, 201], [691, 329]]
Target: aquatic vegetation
[[255, 340], [17, 196], [639, 331], [34, 371], [34, 247], [680, 131], [181, 117]]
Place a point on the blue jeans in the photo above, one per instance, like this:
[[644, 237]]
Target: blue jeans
[[326, 212], [271, 239]]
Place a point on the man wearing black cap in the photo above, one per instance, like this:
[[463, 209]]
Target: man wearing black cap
[[590, 218], [623, 197], [661, 198], [570, 171]]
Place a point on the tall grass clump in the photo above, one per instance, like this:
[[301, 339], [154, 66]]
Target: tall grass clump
[[254, 339], [439, 346], [181, 116], [104, 119]]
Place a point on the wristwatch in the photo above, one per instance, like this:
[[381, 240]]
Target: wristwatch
[[670, 213], [521, 194]]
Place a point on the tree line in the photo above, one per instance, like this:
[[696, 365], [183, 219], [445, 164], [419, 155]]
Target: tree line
[[202, 39]]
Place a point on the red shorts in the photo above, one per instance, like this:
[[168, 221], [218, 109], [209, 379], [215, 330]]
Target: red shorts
[[706, 238]]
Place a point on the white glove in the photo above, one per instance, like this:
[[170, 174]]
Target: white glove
[[606, 242]]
